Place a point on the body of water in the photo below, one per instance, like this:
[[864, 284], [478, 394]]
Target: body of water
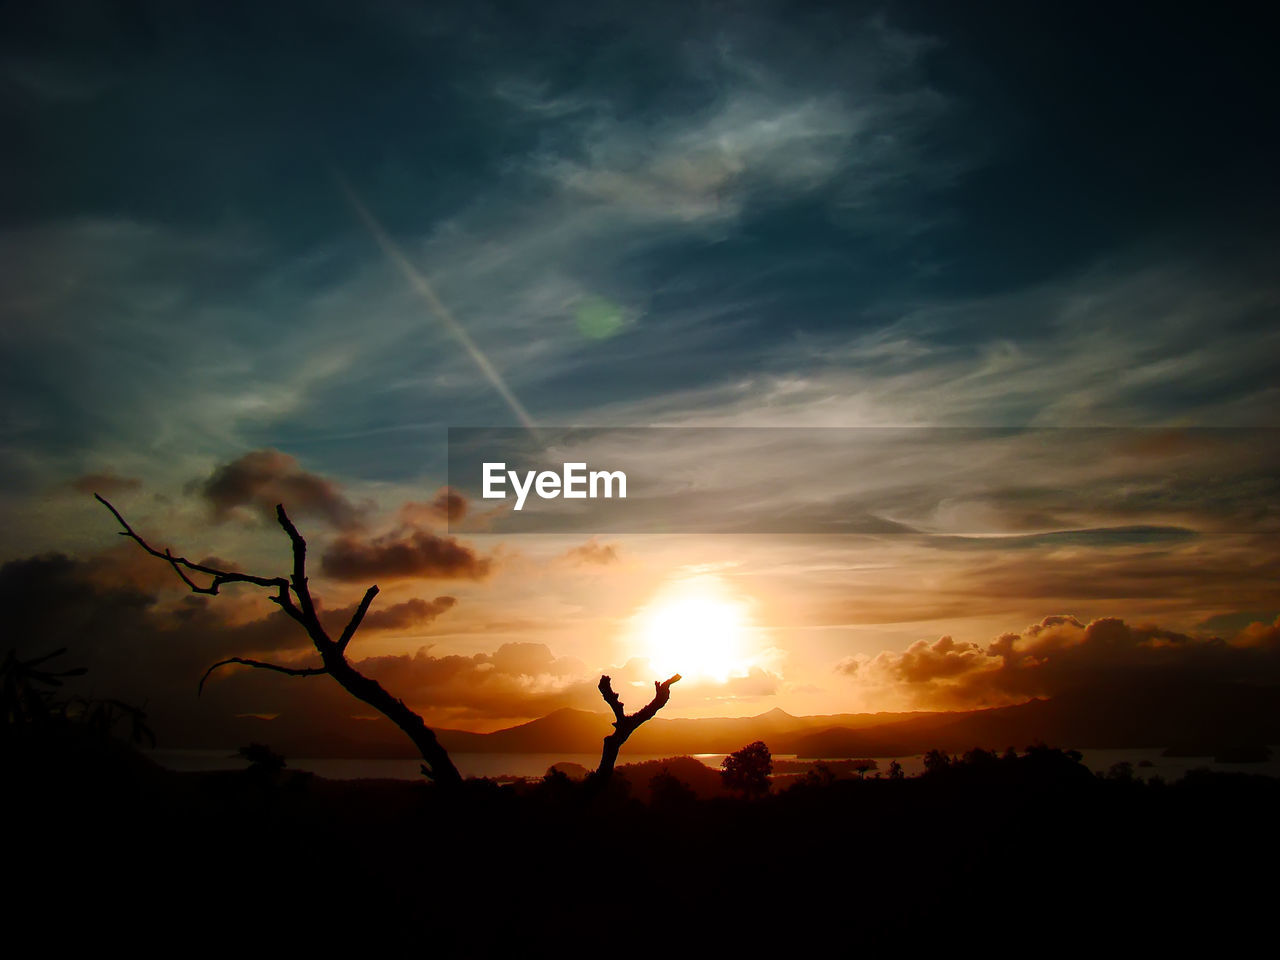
[[468, 764], [1146, 762]]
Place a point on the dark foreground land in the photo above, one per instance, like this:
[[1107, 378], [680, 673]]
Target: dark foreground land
[[1000, 855]]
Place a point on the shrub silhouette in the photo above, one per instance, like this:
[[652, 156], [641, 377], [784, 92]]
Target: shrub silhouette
[[669, 792], [818, 777], [262, 759], [747, 771]]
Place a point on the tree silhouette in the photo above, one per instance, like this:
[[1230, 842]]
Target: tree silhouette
[[748, 770], [979, 757], [863, 767], [935, 761], [293, 596], [669, 792], [623, 725]]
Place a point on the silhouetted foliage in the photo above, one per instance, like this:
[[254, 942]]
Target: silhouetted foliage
[[380, 843], [557, 786], [747, 771], [574, 771], [895, 770], [27, 691], [819, 775], [669, 792], [979, 757], [865, 766], [1121, 772], [935, 761], [262, 758], [30, 705]]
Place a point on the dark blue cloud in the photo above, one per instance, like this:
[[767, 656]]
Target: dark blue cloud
[[1002, 214]]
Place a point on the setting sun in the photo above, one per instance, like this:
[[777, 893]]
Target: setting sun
[[695, 627]]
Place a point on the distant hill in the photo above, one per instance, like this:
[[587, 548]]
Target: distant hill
[[580, 731], [1211, 717], [697, 776]]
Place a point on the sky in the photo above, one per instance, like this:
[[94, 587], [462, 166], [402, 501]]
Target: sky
[[261, 253]]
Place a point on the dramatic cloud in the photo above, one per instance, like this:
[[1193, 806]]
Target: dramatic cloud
[[925, 661], [149, 646], [1060, 654], [1256, 634], [137, 645], [412, 549], [417, 553], [93, 608], [832, 217], [264, 478]]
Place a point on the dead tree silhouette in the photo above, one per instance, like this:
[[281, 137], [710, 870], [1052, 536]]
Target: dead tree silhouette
[[294, 597], [625, 725]]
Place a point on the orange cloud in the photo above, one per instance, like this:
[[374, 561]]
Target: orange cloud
[[1061, 654], [419, 553]]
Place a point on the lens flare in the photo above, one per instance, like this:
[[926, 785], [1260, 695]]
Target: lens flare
[[598, 318]]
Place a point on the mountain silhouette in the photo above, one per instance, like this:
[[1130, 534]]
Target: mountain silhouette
[[1196, 718], [1203, 719]]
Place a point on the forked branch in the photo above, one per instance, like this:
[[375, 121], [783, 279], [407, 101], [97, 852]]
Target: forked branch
[[624, 725]]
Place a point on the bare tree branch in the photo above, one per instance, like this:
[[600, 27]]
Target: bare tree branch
[[625, 725], [436, 761], [220, 577], [299, 565], [263, 665], [611, 698], [354, 624], [286, 604]]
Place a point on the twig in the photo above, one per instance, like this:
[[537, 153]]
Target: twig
[[262, 665]]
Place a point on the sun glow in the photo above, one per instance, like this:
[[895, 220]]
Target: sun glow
[[697, 628]]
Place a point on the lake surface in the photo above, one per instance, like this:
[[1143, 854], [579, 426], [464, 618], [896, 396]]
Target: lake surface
[[498, 765], [468, 764]]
